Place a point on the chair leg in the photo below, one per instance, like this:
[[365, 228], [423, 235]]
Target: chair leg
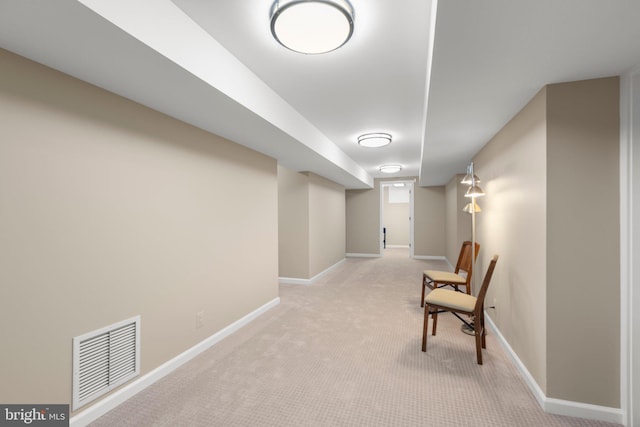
[[425, 327], [484, 331], [478, 336], [435, 321], [424, 278]]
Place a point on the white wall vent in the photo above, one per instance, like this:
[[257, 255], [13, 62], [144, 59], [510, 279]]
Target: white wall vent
[[104, 359]]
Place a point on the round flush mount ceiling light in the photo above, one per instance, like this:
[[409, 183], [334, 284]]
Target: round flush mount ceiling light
[[390, 168], [374, 140], [312, 26]]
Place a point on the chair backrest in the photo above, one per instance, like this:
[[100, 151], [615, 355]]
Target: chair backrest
[[464, 259], [485, 284]]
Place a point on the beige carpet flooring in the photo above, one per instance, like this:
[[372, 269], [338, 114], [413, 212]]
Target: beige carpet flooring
[[344, 352]]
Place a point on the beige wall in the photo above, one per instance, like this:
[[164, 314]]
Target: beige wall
[[583, 259], [326, 224], [363, 220], [451, 220], [457, 223], [395, 220], [556, 286], [429, 223], [293, 223], [311, 222], [109, 210], [512, 224]]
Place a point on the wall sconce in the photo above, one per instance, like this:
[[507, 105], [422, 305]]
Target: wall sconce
[[470, 177], [472, 207], [472, 180]]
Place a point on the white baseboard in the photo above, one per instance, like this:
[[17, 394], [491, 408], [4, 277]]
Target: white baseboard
[[119, 396], [437, 258], [295, 281], [430, 258], [583, 410], [443, 258], [355, 255], [551, 405]]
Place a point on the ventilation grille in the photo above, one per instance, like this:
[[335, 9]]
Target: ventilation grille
[[105, 359]]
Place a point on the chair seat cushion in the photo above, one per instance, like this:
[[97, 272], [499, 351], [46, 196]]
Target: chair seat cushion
[[451, 299], [445, 277]]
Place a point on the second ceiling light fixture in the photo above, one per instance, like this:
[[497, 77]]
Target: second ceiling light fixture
[[374, 140]]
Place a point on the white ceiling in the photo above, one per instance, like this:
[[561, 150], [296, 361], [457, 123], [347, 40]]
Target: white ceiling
[[213, 63]]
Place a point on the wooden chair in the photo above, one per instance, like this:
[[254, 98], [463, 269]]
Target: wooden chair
[[435, 278], [457, 302]]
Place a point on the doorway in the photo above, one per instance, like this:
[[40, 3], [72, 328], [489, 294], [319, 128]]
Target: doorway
[[396, 215]]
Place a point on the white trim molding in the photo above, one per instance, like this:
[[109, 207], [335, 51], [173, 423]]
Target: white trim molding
[[432, 258], [551, 405], [363, 255], [629, 241], [296, 281], [435, 258], [114, 399], [626, 300]]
